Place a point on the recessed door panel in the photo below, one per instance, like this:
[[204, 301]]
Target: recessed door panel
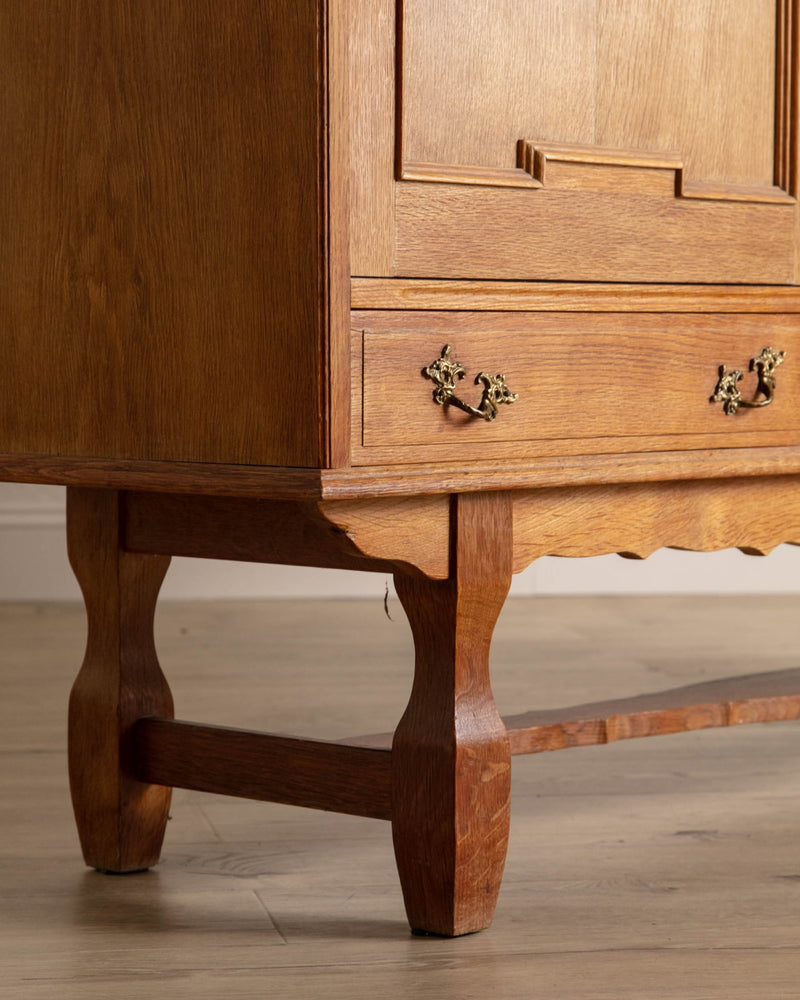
[[594, 140]]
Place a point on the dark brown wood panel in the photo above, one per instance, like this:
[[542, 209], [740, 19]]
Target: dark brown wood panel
[[161, 236], [121, 821], [378, 535], [312, 773], [271, 531]]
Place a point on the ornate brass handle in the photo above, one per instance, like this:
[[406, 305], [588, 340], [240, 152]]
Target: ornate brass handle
[[727, 389], [444, 372]]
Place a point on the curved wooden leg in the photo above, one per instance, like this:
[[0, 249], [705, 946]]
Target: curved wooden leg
[[451, 761], [121, 821]]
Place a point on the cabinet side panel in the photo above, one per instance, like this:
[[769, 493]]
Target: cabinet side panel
[[160, 235]]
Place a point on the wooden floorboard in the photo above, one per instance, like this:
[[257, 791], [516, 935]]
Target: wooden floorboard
[[646, 869]]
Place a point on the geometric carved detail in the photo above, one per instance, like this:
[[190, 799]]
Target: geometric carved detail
[[534, 158], [578, 167]]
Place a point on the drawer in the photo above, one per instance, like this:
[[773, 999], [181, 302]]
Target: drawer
[[586, 383]]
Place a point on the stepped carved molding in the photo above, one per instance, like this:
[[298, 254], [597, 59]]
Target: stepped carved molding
[[549, 165]]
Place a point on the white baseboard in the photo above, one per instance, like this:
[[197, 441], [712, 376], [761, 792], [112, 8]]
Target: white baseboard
[[34, 566]]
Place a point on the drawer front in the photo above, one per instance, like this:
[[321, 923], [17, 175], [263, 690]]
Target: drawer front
[[585, 383]]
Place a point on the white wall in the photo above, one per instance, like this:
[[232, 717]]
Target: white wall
[[33, 565]]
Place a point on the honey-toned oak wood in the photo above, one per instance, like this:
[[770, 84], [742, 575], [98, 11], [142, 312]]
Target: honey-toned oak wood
[[733, 701], [730, 701], [372, 104], [582, 470], [164, 231], [298, 772], [786, 64], [664, 868], [529, 296], [121, 820], [575, 167], [451, 768], [751, 514], [422, 544], [477, 76], [586, 383], [334, 152], [475, 80], [453, 231], [186, 192], [395, 480]]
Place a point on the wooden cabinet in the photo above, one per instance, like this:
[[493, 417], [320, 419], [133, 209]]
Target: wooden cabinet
[[235, 239]]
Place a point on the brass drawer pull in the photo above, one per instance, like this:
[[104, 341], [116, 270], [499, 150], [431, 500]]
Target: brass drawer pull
[[444, 372], [727, 389]]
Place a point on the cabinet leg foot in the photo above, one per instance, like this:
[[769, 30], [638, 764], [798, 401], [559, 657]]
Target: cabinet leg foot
[[120, 820], [451, 760]]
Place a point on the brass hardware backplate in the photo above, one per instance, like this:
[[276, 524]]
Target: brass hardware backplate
[[443, 372], [727, 389]]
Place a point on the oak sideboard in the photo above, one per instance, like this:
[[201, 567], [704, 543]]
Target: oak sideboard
[[425, 287]]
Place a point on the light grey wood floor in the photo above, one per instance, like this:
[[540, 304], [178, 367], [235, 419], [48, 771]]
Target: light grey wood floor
[[655, 868]]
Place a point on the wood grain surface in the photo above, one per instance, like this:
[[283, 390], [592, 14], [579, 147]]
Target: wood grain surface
[[282, 532], [376, 535], [586, 383], [298, 772], [335, 157], [121, 820], [731, 701], [396, 480], [451, 768], [372, 105], [471, 83], [476, 78], [532, 296], [381, 533], [162, 236], [654, 82], [750, 514]]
